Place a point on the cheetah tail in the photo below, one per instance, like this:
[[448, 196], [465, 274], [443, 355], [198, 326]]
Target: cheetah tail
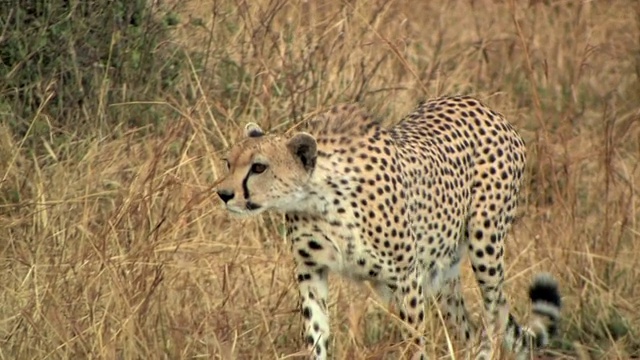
[[546, 303]]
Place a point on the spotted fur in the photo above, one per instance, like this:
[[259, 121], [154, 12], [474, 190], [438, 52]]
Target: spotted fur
[[399, 207]]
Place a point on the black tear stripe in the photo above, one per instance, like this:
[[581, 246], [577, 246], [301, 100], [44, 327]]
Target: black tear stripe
[[245, 189]]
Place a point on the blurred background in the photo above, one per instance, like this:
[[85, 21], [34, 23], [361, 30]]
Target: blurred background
[[114, 115]]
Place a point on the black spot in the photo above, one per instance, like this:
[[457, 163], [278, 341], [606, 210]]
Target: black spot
[[310, 340], [303, 253], [413, 303], [314, 245], [489, 249], [306, 312]]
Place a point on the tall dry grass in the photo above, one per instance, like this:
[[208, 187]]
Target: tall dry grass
[[114, 247]]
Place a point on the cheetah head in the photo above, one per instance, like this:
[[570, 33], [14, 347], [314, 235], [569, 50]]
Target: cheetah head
[[267, 172]]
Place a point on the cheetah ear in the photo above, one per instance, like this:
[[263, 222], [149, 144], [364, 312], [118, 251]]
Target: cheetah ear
[[253, 130], [304, 148]]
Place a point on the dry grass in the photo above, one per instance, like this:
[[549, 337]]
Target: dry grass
[[115, 248]]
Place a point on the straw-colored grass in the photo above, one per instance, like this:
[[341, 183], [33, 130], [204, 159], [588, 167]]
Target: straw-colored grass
[[114, 247]]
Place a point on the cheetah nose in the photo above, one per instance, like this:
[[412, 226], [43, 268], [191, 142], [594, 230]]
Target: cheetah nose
[[225, 195]]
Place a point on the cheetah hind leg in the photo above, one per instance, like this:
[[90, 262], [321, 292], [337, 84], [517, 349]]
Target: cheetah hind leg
[[488, 266], [454, 312], [400, 302], [387, 297], [386, 294], [411, 310], [451, 302]]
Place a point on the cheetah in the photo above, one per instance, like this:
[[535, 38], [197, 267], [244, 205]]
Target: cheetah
[[400, 207]]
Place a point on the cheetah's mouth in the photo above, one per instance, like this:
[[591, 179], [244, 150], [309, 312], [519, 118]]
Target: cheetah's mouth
[[251, 206], [249, 209]]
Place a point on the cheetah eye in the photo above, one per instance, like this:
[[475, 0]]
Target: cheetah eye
[[258, 168]]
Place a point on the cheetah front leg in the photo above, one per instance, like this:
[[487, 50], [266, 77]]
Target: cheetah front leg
[[313, 286]]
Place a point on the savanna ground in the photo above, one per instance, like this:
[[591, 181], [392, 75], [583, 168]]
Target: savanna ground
[[113, 245]]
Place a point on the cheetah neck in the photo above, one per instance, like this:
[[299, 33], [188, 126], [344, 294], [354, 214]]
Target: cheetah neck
[[317, 195], [338, 174]]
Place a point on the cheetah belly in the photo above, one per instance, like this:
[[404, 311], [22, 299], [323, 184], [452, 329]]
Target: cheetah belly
[[440, 269], [360, 264], [357, 261], [442, 272]]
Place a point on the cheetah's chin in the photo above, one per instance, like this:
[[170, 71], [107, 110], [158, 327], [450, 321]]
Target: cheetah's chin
[[243, 213]]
